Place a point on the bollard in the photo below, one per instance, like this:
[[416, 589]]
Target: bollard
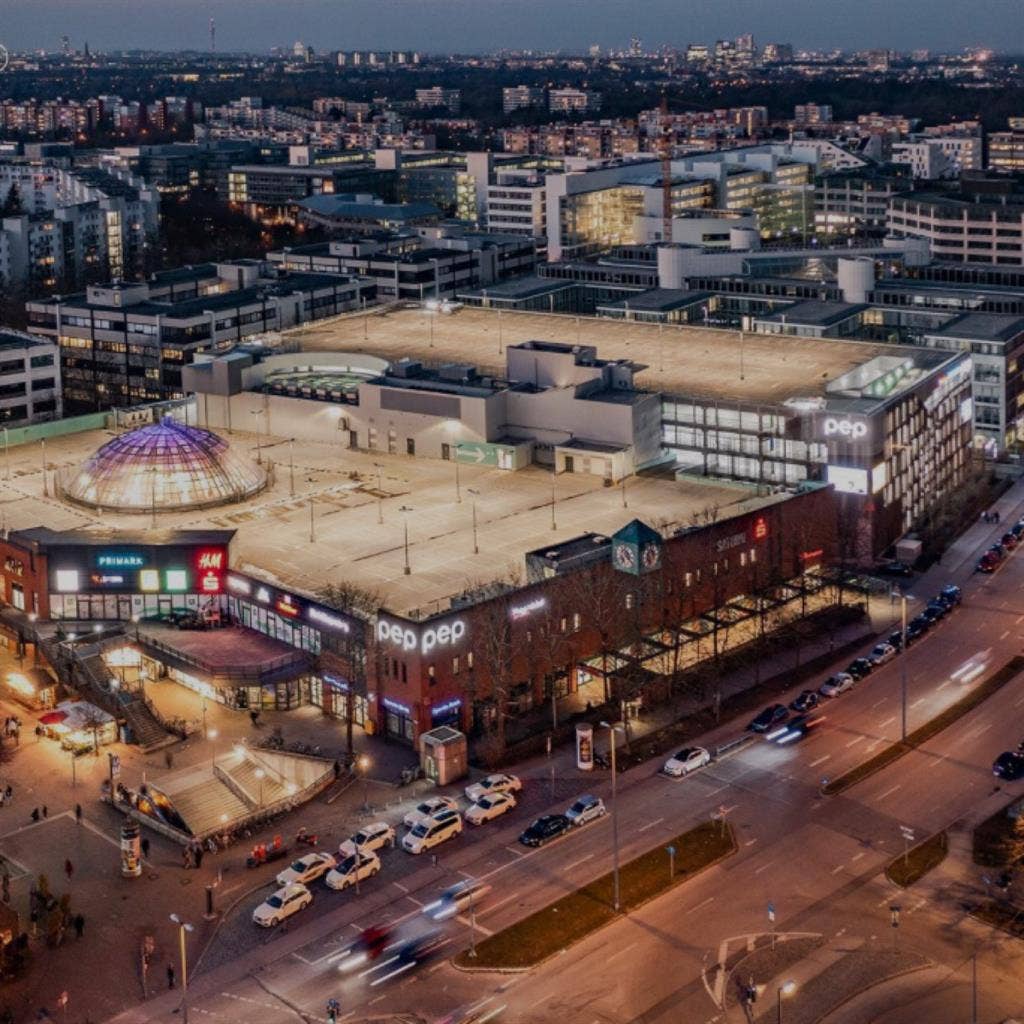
[[210, 912]]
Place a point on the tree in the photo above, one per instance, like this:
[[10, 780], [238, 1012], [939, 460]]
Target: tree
[[12, 204], [495, 651]]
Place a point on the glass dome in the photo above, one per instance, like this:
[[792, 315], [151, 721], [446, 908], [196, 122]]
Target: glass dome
[[167, 465]]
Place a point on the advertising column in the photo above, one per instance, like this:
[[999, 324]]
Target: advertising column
[[585, 747]]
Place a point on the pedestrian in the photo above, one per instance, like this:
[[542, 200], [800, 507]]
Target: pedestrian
[[199, 856], [46, 813], [9, 791], [145, 848], [337, 769], [78, 813], [35, 813], [69, 868], [186, 858], [39, 733], [79, 923], [168, 759], [170, 975]]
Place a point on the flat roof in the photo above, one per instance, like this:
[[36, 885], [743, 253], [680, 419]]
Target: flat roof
[[659, 300], [983, 327], [675, 360], [272, 530], [815, 312], [519, 288]]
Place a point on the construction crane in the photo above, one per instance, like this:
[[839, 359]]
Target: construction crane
[[666, 172]]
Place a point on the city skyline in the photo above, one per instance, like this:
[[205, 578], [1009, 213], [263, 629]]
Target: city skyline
[[464, 26]]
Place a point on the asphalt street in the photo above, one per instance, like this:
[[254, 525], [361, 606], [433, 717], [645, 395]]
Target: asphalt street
[[817, 859]]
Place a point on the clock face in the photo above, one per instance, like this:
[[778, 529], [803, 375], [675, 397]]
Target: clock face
[[651, 556], [625, 556]]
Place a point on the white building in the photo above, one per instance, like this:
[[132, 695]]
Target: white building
[[29, 380], [945, 157], [521, 97], [515, 203], [574, 101]]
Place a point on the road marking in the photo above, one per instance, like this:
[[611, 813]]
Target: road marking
[[763, 867], [650, 824], [820, 760], [889, 792], [942, 685], [402, 887], [855, 857], [920, 700], [879, 703], [1017, 703], [888, 721], [750, 842], [465, 922], [856, 740], [1004, 635], [517, 851], [412, 899], [1018, 620], [710, 899], [577, 863], [837, 869], [614, 956]]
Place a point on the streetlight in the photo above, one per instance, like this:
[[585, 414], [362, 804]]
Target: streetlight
[[291, 466], [212, 735], [903, 664], [363, 764], [458, 488], [612, 728], [380, 495], [312, 526], [183, 927], [46, 489], [554, 472], [259, 452], [259, 773], [406, 509], [787, 988], [7, 454], [475, 494]]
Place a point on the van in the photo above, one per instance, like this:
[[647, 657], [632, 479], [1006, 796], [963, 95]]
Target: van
[[435, 830]]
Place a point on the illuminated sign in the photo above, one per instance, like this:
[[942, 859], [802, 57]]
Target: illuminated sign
[[239, 585], [105, 581], [209, 583], [760, 531], [286, 607], [176, 579], [726, 543], [848, 480], [810, 556], [879, 478], [852, 430], [149, 579], [446, 708], [434, 636], [120, 560], [325, 618], [210, 560], [263, 595], [520, 611], [67, 580], [393, 705]]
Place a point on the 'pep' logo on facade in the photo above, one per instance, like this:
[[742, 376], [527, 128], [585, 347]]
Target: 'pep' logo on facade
[[435, 636], [852, 429]]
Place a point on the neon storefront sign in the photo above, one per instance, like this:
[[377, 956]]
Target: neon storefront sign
[[520, 611], [852, 430], [325, 618], [409, 640], [286, 606], [120, 560], [447, 708], [393, 705]]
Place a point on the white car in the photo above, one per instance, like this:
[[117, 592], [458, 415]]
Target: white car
[[368, 838], [488, 807], [456, 898], [587, 808], [352, 869], [687, 760], [429, 806], [288, 900], [837, 684], [435, 830], [306, 869], [499, 783], [881, 653]]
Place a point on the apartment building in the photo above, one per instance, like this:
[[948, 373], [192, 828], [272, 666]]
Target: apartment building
[[1006, 149], [437, 97], [29, 380], [126, 343], [516, 203], [933, 158], [522, 97], [574, 101]]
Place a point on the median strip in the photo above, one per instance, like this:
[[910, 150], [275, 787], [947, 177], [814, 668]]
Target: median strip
[[908, 868], [573, 917], [930, 729]]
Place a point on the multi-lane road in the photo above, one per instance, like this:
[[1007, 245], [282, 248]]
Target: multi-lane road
[[818, 860]]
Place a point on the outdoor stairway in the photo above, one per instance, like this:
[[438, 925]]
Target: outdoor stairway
[[244, 776], [149, 733], [204, 805]]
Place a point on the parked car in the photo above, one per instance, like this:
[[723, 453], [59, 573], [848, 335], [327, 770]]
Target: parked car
[[488, 807], [1008, 540], [920, 622], [370, 837], [837, 684], [951, 594], [1018, 528], [545, 829], [428, 807], [288, 900], [456, 898], [881, 653], [306, 869], [1009, 765], [772, 715], [916, 628], [586, 808], [895, 640], [806, 700], [988, 563], [933, 612], [352, 869], [689, 759], [498, 783], [894, 569], [859, 668], [438, 828]]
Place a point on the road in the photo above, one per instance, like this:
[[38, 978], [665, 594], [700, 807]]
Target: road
[[817, 859]]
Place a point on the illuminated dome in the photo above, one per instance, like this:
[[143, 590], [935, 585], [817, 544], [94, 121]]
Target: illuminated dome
[[167, 465]]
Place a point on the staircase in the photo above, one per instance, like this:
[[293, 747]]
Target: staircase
[[243, 775]]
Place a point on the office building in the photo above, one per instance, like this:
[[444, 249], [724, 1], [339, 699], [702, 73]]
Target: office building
[[522, 97], [30, 389]]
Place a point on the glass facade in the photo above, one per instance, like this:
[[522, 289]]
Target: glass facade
[[167, 466]]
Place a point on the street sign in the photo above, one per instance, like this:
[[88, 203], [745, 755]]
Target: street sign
[[771, 913], [670, 850], [908, 833]]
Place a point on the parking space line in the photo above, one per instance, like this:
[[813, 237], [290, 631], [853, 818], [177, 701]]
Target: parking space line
[[889, 792], [820, 760], [650, 824], [577, 863]]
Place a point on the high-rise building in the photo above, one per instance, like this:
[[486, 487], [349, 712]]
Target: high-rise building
[[568, 101], [521, 97], [437, 97]]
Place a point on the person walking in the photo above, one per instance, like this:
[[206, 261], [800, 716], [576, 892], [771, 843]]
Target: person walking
[[145, 848], [79, 923], [69, 869], [78, 813], [170, 975], [198, 855], [35, 813], [9, 791], [46, 813]]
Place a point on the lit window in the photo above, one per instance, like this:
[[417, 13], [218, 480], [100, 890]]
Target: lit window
[[149, 579], [176, 579], [67, 580]]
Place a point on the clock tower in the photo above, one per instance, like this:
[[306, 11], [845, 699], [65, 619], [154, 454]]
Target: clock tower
[[636, 549]]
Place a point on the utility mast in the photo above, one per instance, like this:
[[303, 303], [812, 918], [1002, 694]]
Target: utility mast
[[666, 172]]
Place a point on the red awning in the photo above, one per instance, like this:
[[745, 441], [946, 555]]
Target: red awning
[[53, 718]]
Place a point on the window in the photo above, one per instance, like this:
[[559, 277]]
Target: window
[[431, 674], [67, 580], [455, 666], [629, 600], [469, 660], [575, 620]]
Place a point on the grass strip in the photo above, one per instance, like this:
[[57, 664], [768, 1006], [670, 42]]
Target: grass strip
[[919, 860], [999, 839], [1004, 916], [575, 916], [930, 729]]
